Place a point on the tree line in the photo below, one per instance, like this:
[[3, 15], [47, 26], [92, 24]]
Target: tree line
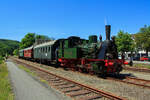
[[134, 42], [29, 39], [126, 42], [7, 47]]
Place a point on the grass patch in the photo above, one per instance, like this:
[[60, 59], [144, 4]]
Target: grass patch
[[27, 70], [44, 81], [141, 65], [5, 87], [32, 73]]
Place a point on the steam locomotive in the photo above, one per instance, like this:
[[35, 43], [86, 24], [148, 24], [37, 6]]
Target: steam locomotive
[[93, 56]]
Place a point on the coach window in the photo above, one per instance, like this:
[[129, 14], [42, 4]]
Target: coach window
[[49, 49]]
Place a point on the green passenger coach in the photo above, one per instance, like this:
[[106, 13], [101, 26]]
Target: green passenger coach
[[45, 51], [21, 54]]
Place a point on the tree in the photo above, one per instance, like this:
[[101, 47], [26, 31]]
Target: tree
[[142, 39], [27, 41], [124, 42], [31, 38], [1, 59], [42, 37], [16, 52], [7, 47]]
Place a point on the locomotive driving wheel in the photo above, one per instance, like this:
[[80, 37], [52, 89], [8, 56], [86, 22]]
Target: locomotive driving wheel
[[103, 71], [118, 68]]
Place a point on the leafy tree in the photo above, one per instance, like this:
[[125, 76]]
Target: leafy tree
[[1, 59], [142, 39], [7, 46], [124, 42], [16, 52], [27, 41], [42, 37], [31, 38]]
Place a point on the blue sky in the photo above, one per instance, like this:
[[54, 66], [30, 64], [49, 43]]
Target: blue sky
[[64, 18]]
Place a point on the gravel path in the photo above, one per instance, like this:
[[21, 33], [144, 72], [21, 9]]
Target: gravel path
[[27, 88]]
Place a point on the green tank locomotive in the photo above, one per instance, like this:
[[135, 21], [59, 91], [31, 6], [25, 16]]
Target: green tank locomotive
[[93, 56]]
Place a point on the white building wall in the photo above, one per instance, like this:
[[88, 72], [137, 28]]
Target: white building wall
[[149, 54], [140, 53]]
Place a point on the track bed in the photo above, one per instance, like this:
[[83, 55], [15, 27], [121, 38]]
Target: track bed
[[131, 92]]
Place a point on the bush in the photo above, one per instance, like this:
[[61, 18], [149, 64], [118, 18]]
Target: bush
[[1, 59]]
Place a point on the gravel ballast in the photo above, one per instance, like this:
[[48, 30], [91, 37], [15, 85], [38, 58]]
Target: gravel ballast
[[128, 91], [141, 75]]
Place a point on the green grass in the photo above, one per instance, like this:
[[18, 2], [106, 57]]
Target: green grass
[[27, 70], [5, 87], [32, 73], [141, 65]]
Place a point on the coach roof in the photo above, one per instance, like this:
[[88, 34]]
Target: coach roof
[[45, 44], [28, 48]]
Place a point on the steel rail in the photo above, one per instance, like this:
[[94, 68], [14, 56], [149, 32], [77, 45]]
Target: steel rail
[[146, 70], [105, 94], [127, 80]]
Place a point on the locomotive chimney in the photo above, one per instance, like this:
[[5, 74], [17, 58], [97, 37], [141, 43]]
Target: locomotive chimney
[[107, 27]]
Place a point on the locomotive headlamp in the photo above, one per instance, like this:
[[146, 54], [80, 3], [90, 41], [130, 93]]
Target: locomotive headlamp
[[111, 63]]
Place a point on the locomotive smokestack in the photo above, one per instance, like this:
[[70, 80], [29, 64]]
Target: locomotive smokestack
[[107, 27]]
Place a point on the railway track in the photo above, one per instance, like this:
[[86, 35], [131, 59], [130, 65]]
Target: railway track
[[73, 89], [138, 69], [131, 80]]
